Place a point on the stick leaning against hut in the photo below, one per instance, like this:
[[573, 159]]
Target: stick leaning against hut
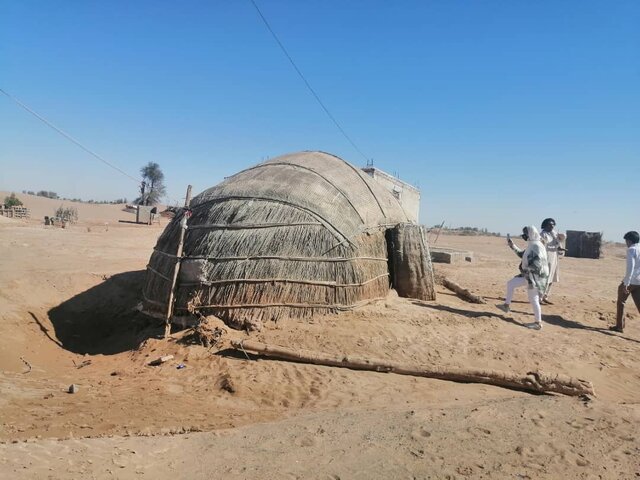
[[298, 235]]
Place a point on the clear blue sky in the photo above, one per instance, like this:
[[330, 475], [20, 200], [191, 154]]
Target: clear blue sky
[[504, 112]]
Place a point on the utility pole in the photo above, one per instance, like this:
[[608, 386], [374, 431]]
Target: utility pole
[[143, 186]]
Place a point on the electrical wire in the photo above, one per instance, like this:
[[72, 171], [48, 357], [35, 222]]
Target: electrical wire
[[68, 137], [315, 95]]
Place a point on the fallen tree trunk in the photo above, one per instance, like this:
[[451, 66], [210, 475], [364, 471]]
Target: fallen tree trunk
[[532, 381], [463, 292]]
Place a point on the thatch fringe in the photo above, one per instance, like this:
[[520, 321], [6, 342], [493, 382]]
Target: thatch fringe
[[155, 272], [291, 281], [314, 217], [277, 280], [272, 257], [279, 294], [160, 305], [298, 305], [331, 307]]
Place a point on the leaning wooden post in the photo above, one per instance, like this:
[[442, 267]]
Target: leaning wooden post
[[176, 268], [439, 230]]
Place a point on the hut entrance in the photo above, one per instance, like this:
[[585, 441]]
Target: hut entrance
[[410, 267], [388, 236]]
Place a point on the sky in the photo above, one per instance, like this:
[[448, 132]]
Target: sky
[[502, 112]]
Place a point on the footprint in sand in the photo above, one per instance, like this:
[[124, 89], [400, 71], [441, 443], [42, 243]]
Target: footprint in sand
[[420, 434], [305, 441]]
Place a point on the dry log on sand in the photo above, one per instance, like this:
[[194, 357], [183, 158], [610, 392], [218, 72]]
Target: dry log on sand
[[532, 381], [463, 292]]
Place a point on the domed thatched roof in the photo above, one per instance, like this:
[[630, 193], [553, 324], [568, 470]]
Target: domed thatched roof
[[297, 234], [330, 189]]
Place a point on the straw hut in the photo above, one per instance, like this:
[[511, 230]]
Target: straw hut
[[301, 234]]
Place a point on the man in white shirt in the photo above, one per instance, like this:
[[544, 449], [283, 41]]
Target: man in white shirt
[[631, 283]]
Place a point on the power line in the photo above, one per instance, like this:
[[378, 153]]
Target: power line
[[68, 137], [284, 50]]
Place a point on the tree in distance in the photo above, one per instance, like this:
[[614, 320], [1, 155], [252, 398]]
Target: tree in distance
[[44, 193], [12, 201], [152, 188]]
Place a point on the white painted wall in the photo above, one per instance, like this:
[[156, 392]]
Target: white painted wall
[[408, 195]]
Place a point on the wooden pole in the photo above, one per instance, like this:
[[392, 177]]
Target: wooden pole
[[176, 268], [439, 230], [532, 381], [463, 292]]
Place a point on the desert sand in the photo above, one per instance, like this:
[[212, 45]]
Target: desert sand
[[68, 302]]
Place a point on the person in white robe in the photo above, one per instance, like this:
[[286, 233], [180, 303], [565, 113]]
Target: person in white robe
[[534, 273], [553, 242]]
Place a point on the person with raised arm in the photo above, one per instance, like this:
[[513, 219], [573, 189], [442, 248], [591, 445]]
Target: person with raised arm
[[534, 273]]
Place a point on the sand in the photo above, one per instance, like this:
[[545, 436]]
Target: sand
[[67, 306]]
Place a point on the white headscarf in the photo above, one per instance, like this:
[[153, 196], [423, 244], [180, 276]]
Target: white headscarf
[[534, 246]]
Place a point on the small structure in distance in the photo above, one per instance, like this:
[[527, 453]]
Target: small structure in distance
[[581, 244], [146, 214]]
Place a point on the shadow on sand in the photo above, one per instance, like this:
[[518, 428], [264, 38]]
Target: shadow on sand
[[238, 355], [556, 320], [468, 313], [104, 319], [564, 323]]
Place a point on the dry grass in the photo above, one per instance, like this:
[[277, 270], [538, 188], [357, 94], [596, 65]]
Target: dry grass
[[294, 236], [268, 272]]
